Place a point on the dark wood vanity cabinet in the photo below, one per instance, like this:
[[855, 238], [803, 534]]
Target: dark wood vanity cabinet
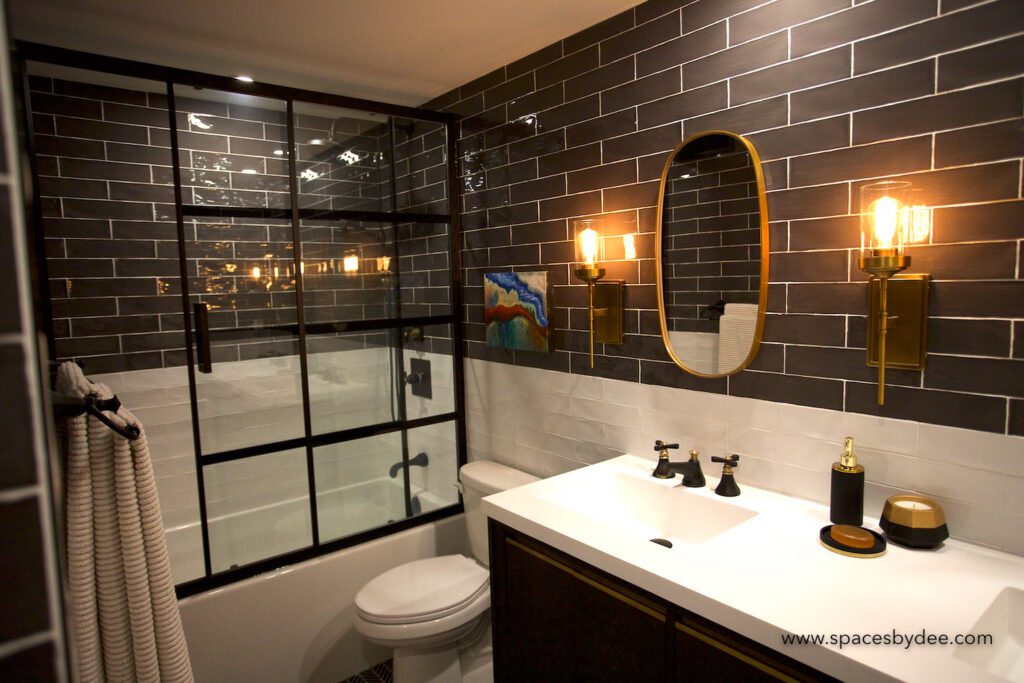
[[556, 618]]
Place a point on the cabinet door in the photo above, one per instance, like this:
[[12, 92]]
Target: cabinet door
[[557, 623], [619, 637], [704, 652], [534, 633]]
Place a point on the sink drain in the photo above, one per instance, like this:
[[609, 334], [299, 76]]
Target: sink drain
[[662, 541]]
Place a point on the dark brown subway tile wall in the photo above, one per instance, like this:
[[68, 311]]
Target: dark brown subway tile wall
[[29, 638], [104, 162], [833, 94]]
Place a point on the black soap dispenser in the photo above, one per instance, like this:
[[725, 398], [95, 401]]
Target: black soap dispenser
[[847, 488]]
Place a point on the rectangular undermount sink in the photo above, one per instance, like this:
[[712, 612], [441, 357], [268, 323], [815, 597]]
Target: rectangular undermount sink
[[645, 509], [1004, 620]]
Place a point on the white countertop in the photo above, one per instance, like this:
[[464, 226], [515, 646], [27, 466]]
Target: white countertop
[[769, 575]]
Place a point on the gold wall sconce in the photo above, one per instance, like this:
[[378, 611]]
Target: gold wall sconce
[[604, 297], [897, 304]]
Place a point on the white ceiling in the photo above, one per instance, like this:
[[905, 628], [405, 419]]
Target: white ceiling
[[401, 51]]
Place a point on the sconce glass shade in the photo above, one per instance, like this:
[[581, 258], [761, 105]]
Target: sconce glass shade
[[383, 264], [885, 217], [589, 246]]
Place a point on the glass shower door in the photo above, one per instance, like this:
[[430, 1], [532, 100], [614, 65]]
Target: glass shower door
[[239, 251]]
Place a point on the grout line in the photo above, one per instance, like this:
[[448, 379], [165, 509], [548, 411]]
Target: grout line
[[11, 647]]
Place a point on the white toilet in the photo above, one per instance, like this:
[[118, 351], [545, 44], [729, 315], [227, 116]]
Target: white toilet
[[434, 612]]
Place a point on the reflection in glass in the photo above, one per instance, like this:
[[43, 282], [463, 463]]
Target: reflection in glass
[[342, 158], [233, 148], [711, 237]]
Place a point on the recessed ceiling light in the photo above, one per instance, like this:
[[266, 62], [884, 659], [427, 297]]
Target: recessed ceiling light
[[279, 152], [244, 78], [250, 171], [316, 141]]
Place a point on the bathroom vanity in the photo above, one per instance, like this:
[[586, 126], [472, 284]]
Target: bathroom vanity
[[579, 591], [557, 618]]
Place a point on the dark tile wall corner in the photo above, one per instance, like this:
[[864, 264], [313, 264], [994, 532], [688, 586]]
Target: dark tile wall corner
[[833, 93], [31, 638]]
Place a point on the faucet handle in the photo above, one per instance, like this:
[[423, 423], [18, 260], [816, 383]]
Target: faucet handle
[[727, 485], [660, 445]]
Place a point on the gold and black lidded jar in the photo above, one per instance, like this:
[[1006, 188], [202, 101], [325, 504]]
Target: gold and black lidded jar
[[847, 506]]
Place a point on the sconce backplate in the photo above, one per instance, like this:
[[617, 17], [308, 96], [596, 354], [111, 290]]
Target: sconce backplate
[[907, 333], [608, 303]]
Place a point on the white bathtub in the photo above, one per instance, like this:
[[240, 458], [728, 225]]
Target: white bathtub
[[297, 624]]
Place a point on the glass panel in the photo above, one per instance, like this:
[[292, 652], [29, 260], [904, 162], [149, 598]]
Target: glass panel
[[257, 508], [352, 379], [233, 148], [424, 277], [341, 158], [348, 271], [356, 490], [112, 259], [433, 485], [421, 166], [429, 388], [243, 273]]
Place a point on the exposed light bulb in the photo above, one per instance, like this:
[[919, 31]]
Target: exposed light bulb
[[588, 245], [255, 272], [887, 212]]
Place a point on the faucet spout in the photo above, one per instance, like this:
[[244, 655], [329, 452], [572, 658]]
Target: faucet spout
[[421, 460], [693, 476]]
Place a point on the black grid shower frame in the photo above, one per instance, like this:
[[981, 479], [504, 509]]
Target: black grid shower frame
[[25, 52]]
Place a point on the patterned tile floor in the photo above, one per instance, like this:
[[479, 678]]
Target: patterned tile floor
[[380, 673]]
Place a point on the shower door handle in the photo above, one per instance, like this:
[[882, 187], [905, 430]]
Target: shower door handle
[[204, 359]]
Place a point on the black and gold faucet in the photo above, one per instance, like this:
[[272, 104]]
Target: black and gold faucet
[[727, 486], [692, 474]]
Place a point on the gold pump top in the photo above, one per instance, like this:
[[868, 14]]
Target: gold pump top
[[848, 460]]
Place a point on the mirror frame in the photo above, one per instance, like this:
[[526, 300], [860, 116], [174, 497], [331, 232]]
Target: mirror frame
[[762, 299]]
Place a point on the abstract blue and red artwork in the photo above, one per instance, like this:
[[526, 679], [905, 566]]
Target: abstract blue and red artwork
[[516, 310]]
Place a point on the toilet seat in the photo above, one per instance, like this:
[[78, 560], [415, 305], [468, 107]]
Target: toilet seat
[[424, 591]]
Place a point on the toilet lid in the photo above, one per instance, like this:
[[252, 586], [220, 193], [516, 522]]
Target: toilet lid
[[422, 590]]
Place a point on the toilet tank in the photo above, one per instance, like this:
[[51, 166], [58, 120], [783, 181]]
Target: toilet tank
[[479, 479]]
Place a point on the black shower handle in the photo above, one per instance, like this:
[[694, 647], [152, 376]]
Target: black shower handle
[[204, 359]]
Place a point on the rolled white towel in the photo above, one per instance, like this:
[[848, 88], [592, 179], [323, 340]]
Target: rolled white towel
[[735, 335], [745, 310]]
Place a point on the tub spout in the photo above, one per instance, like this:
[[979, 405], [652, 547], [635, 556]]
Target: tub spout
[[421, 460]]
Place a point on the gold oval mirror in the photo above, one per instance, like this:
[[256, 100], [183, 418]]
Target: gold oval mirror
[[712, 247]]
